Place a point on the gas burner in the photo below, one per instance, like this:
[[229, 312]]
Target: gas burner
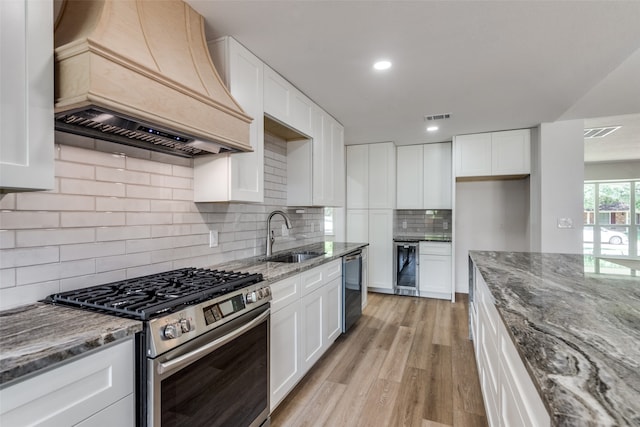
[[146, 297]]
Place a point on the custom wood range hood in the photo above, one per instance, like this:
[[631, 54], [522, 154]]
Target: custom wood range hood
[[138, 72]]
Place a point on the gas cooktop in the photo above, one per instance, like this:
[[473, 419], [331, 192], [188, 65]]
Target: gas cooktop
[[151, 296]]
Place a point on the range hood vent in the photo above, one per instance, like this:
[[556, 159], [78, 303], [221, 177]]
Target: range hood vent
[[138, 72]]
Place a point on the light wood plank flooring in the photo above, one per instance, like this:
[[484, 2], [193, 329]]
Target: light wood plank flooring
[[407, 362]]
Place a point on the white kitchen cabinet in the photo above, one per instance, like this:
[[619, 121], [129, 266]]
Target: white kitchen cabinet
[[508, 391], [435, 270], [382, 175], [410, 177], [315, 167], [506, 153], [286, 104], [437, 179], [237, 177], [381, 250], [424, 176], [285, 369], [358, 225], [26, 95], [357, 159], [86, 390], [306, 315]]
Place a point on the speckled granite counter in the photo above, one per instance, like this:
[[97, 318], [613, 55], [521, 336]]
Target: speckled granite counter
[[39, 335], [274, 271], [577, 333]]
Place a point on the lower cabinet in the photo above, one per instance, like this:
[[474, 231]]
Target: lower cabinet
[[94, 390], [435, 270], [306, 318], [510, 397]]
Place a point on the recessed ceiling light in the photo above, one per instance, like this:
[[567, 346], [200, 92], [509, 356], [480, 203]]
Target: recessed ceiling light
[[382, 65], [432, 128]]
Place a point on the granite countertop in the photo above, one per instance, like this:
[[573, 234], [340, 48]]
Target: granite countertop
[[39, 335], [274, 271], [578, 333]]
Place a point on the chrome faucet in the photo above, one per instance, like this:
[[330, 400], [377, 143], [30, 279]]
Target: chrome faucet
[[270, 236]]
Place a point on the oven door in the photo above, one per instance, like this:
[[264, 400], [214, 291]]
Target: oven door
[[218, 379]]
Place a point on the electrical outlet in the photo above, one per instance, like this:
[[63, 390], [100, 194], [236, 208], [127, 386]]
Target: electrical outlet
[[285, 230], [404, 225], [445, 225], [213, 238], [313, 227]]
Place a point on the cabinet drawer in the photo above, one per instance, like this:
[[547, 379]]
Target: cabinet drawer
[[435, 248], [333, 270], [72, 392], [285, 292]]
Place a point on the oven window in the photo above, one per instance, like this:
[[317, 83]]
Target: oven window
[[226, 388]]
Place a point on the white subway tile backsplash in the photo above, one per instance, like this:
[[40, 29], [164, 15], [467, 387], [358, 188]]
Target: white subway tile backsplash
[[122, 261], [181, 194], [185, 172], [7, 239], [122, 175], [147, 192], [171, 206], [29, 256], [171, 182], [91, 219], [122, 233], [145, 270], [120, 204], [48, 272], [91, 250], [15, 220], [57, 236], [90, 157], [148, 218], [148, 166], [78, 282], [8, 201], [91, 188], [20, 295], [148, 245], [41, 201], [74, 170], [7, 277], [170, 230]]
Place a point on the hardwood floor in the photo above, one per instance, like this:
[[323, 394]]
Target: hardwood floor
[[407, 362]]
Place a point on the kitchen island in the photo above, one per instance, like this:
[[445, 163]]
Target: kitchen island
[[577, 334]]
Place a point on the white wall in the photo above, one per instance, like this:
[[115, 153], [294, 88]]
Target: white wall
[[490, 215], [557, 183]]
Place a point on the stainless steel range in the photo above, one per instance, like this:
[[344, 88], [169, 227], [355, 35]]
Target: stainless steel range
[[203, 356]]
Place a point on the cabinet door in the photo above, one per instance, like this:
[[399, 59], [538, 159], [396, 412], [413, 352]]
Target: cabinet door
[[277, 95], [437, 176], [72, 392], [284, 351], [238, 176], [26, 96], [410, 179], [381, 249], [382, 175], [358, 225], [333, 311], [357, 157], [511, 152], [301, 112], [435, 276], [473, 155], [312, 338]]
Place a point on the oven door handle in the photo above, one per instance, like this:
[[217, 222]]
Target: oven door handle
[[188, 358]]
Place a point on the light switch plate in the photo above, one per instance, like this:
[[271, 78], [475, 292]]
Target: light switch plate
[[565, 223], [404, 224]]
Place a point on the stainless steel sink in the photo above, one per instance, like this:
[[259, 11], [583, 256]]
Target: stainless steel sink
[[294, 257]]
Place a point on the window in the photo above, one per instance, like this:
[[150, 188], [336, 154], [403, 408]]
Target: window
[[328, 221], [611, 223]]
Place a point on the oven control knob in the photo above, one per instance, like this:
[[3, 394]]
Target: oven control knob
[[185, 325], [172, 330], [251, 297], [267, 291]]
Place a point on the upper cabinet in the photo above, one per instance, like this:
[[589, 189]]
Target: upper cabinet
[[505, 153], [286, 104], [235, 177], [424, 176], [371, 176], [315, 167], [26, 96]]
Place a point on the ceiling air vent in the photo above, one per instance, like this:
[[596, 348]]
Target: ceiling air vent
[[437, 117], [600, 132]]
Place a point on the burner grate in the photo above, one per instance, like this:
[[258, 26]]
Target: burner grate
[[150, 296]]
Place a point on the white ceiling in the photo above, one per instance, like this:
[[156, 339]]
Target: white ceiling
[[493, 65]]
